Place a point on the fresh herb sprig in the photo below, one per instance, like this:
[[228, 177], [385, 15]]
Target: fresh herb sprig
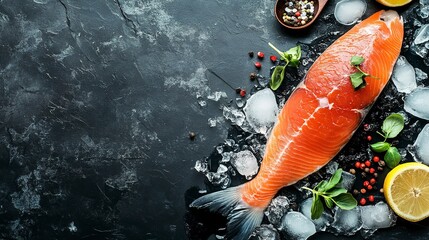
[[391, 127], [291, 58], [331, 193], [358, 78]]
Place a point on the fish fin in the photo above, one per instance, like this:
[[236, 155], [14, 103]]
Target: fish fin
[[242, 218]]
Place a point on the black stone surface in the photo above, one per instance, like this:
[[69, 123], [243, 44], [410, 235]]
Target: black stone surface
[[97, 100]]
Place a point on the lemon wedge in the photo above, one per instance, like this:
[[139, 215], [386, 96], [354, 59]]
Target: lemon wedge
[[394, 3], [406, 189]]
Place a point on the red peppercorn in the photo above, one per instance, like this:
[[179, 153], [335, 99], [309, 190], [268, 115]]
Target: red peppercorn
[[371, 170], [261, 55], [366, 183], [258, 65], [376, 159], [273, 58], [242, 93], [363, 191], [371, 198], [372, 181], [362, 201], [367, 163], [357, 164], [238, 90], [362, 166], [297, 14], [369, 138], [369, 187]]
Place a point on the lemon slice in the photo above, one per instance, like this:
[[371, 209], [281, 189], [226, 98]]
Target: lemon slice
[[406, 189], [394, 3]]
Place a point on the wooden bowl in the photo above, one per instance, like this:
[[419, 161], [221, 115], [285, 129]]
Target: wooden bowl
[[279, 9]]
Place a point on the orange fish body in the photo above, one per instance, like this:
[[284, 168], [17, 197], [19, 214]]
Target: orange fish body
[[318, 119]]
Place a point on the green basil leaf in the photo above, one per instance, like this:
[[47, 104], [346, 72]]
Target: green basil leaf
[[345, 201], [357, 80], [393, 125], [316, 207], [356, 60], [334, 180], [335, 192], [329, 203], [293, 55], [277, 77], [380, 147], [320, 187], [392, 157]]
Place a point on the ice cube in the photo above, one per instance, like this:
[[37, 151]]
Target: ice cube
[[348, 12], [416, 103], [201, 166], [377, 216], [331, 167], [347, 222], [276, 210], [234, 115], [421, 145], [217, 95], [420, 75], [419, 49], [297, 226], [320, 223], [201, 101], [261, 110], [212, 122], [226, 156], [423, 12], [240, 102], [72, 227], [404, 76], [220, 177], [245, 163], [347, 180], [265, 232], [422, 35]]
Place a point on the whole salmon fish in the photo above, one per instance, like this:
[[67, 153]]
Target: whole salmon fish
[[318, 119]]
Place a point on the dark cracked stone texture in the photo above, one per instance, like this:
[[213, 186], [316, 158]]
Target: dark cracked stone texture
[[97, 100]]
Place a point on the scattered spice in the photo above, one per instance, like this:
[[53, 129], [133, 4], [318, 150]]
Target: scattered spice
[[376, 159], [352, 171], [192, 136], [238, 90], [251, 54], [261, 55], [242, 93], [298, 12], [369, 138], [362, 201], [273, 58], [252, 76], [363, 191], [371, 198], [258, 65]]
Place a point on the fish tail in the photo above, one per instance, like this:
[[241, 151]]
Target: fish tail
[[242, 218]]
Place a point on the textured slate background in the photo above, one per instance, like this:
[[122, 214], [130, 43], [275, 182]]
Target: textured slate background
[[97, 99]]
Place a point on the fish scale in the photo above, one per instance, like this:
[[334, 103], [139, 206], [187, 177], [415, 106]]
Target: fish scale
[[317, 120]]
